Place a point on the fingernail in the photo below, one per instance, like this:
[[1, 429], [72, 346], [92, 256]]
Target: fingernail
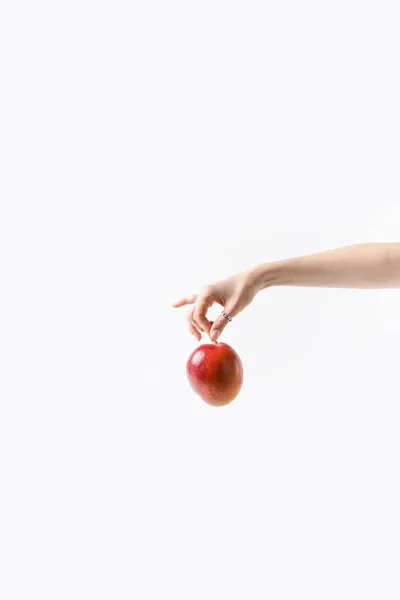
[[215, 334]]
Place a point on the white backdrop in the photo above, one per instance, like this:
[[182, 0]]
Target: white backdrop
[[147, 148]]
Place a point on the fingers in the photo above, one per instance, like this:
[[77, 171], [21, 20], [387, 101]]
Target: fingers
[[221, 322], [196, 314], [193, 325], [194, 332], [185, 301], [201, 307]]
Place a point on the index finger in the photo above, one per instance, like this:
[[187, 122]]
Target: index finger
[[185, 301]]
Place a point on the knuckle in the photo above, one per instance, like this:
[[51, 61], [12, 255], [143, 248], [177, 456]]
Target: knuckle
[[198, 316]]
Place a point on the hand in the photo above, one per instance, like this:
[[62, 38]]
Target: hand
[[233, 293]]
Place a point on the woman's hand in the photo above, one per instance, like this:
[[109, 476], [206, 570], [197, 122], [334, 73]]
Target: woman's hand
[[233, 293], [361, 266]]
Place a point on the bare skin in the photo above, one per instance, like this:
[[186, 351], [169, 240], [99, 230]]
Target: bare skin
[[363, 266]]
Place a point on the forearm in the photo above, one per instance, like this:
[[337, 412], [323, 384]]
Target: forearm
[[364, 266]]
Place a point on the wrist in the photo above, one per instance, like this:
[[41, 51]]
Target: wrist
[[270, 274]]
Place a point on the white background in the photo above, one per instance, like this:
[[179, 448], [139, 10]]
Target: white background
[[148, 148]]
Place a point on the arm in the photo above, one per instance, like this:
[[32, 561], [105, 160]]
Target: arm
[[363, 266]]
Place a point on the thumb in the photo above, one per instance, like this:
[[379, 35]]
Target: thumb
[[221, 322]]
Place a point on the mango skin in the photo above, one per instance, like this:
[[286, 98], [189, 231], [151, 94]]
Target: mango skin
[[215, 373]]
